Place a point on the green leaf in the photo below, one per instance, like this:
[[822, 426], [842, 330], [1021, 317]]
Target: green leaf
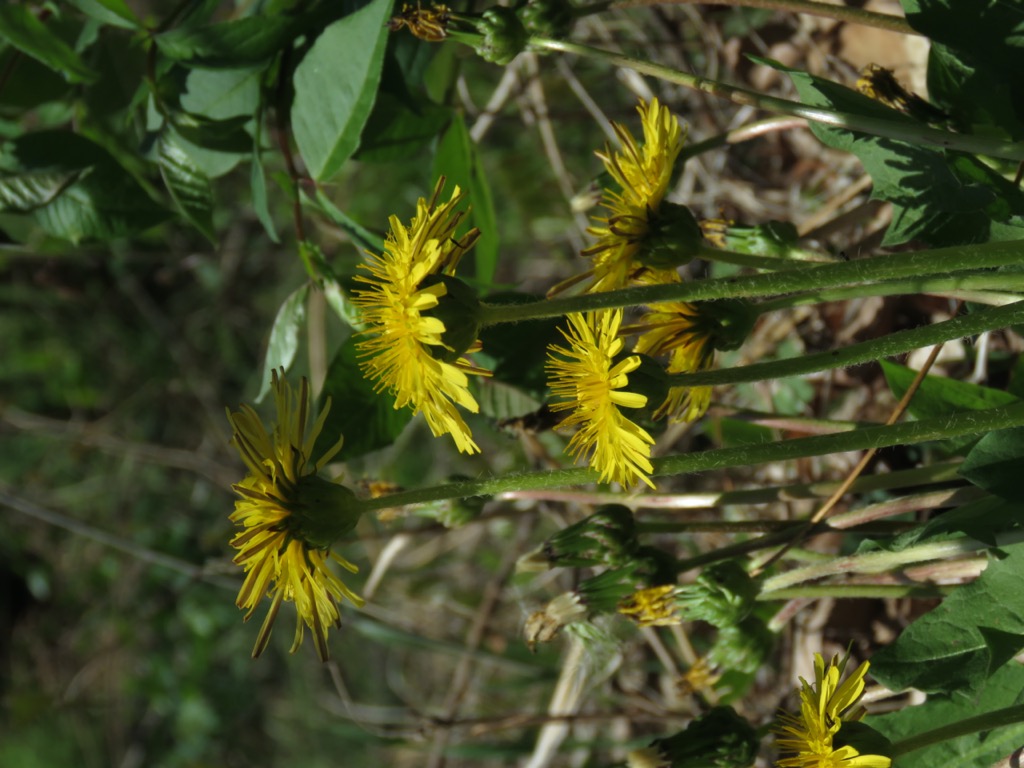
[[229, 44], [222, 94], [335, 87], [187, 184], [983, 520], [516, 352], [960, 644], [457, 159], [939, 199], [976, 750], [259, 196], [27, 191], [30, 36], [996, 463], [939, 395], [113, 12], [367, 419], [972, 66], [284, 336], [103, 203], [499, 400]]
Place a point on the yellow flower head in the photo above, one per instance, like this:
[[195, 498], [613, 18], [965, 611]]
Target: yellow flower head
[[676, 329], [587, 378], [652, 607], [642, 174], [403, 353], [806, 739], [290, 516]]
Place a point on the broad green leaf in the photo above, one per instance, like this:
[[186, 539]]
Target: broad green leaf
[[940, 395], [939, 199], [284, 336], [976, 750], [458, 161], [338, 299], [971, 66], [259, 196], [27, 191], [499, 400], [960, 644], [997, 462], [983, 520], [103, 203], [29, 35], [400, 128], [187, 184], [114, 12], [30, 83], [221, 94], [367, 419], [335, 87], [230, 44]]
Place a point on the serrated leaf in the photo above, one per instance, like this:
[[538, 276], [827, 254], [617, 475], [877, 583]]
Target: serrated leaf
[[188, 185], [25, 192], [458, 160], [960, 644], [940, 199], [113, 12], [335, 87], [976, 750], [367, 419], [29, 35], [284, 336], [996, 463], [229, 44]]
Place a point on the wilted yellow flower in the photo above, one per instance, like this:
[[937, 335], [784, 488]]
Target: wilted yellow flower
[[676, 329], [643, 175], [652, 606], [290, 516], [587, 378], [806, 739], [403, 355]]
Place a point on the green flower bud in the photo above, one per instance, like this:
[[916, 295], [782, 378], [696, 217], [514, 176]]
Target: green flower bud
[[322, 512], [547, 18], [732, 320], [741, 649], [459, 309], [673, 238], [607, 537], [604, 592], [719, 739], [723, 595], [504, 35]]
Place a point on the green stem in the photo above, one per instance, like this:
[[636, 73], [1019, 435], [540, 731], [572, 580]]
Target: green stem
[[1000, 284], [809, 277], [926, 430], [882, 528], [985, 722], [881, 562], [902, 130], [826, 10], [864, 352], [854, 591]]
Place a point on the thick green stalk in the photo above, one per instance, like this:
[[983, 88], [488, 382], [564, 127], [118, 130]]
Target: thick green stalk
[[864, 352], [902, 130], [926, 430], [809, 277], [855, 591], [826, 10], [985, 722]]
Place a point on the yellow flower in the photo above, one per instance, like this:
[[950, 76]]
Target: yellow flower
[[587, 378], [676, 329], [642, 174], [807, 737], [652, 607], [290, 518], [404, 354]]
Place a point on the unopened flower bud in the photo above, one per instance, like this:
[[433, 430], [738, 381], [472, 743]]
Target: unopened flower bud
[[547, 18], [504, 36], [607, 537]]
